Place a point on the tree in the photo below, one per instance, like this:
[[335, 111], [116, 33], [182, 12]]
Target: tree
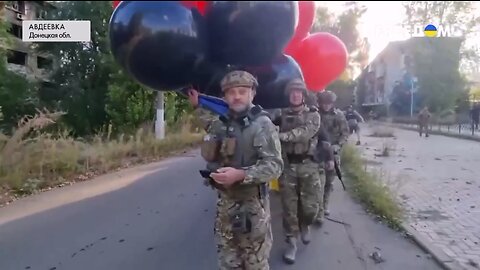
[[345, 28], [449, 13], [437, 62], [81, 82], [17, 95]]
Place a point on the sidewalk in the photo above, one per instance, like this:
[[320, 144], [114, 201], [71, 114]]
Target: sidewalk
[[436, 180]]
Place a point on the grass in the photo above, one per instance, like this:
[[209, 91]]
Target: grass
[[32, 160], [367, 187]]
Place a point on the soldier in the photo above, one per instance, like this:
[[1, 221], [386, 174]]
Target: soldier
[[423, 121], [337, 128], [243, 153], [300, 182], [353, 118]]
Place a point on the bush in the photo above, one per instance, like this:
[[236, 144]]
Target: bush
[[31, 159]]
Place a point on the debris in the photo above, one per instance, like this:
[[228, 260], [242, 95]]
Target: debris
[[438, 158], [376, 257], [418, 256], [473, 206], [468, 183], [337, 221]]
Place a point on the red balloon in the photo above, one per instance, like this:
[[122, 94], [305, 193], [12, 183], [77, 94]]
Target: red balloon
[[323, 58], [201, 6], [115, 4], [306, 15]]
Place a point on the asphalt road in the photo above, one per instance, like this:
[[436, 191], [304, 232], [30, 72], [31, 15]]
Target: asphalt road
[[162, 218]]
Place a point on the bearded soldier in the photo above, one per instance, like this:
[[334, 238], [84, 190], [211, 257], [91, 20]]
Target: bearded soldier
[[243, 154]]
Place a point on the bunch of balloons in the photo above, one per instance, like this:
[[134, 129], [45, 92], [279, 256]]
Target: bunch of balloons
[[169, 45]]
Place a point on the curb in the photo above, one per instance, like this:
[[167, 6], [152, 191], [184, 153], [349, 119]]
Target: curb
[[445, 261]]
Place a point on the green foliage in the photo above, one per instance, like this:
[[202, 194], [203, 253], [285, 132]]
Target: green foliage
[[458, 13], [91, 87], [436, 64], [345, 28], [82, 79], [129, 105], [17, 95], [368, 188]]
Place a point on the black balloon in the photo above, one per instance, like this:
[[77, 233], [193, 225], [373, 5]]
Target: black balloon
[[250, 32], [272, 80], [159, 44]]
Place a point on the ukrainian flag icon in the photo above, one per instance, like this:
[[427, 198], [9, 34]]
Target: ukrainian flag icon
[[430, 30]]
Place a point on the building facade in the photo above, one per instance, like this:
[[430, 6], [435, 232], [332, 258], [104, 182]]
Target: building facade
[[392, 74], [22, 57]]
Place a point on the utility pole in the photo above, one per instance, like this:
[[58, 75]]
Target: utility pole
[[412, 91], [160, 117]]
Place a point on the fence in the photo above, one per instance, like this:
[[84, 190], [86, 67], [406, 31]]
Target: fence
[[456, 124]]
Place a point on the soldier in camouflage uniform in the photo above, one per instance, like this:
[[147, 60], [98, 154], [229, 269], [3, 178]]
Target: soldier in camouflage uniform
[[423, 121], [300, 182], [337, 127], [243, 152]]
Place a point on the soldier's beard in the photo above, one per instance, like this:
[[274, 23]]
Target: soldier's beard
[[239, 108]]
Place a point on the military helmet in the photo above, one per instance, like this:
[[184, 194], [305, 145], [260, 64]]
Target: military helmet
[[238, 78], [327, 97], [296, 84]]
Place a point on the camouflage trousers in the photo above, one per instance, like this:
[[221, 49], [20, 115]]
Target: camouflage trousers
[[299, 188], [329, 178], [244, 251], [423, 127]]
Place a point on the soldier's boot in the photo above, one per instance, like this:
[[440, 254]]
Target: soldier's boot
[[291, 251], [306, 235], [358, 142], [318, 222]]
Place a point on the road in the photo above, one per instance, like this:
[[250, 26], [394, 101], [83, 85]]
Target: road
[[161, 217], [436, 179]]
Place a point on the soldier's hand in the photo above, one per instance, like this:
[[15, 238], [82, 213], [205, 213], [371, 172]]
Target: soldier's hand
[[282, 136], [228, 176], [193, 97]]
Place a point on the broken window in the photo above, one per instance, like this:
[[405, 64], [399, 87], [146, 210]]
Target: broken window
[[16, 57], [43, 62], [15, 30]]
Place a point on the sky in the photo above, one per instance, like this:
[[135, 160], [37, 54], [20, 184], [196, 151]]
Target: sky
[[377, 23]]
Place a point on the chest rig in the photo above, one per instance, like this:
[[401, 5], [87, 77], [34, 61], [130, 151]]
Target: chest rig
[[291, 120], [231, 144], [332, 125]]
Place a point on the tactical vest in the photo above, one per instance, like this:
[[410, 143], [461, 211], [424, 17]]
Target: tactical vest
[[350, 116], [231, 143], [291, 120], [332, 125]]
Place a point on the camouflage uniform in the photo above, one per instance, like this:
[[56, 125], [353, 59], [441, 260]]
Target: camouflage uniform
[[336, 125], [353, 118], [300, 183], [250, 142], [423, 121]]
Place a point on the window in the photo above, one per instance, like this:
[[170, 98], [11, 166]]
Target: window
[[43, 62], [16, 57], [15, 30]]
